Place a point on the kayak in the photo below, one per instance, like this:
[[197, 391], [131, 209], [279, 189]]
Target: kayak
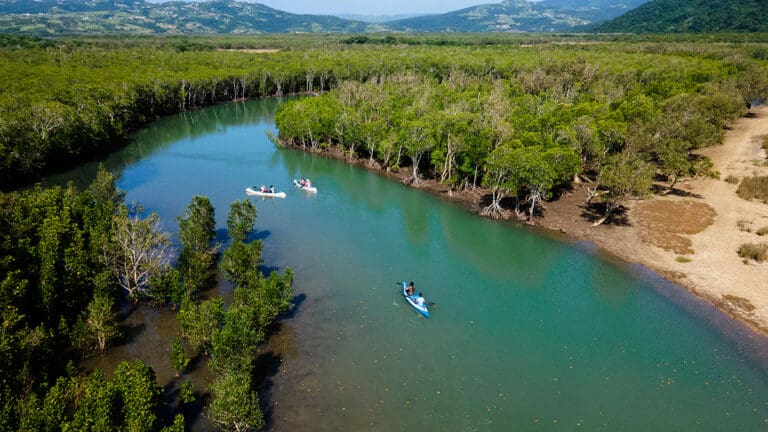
[[412, 300], [254, 192], [308, 189]]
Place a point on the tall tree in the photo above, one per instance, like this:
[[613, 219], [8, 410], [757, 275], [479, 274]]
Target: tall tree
[[197, 233], [241, 220]]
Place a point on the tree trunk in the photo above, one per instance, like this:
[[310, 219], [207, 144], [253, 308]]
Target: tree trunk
[[494, 209]]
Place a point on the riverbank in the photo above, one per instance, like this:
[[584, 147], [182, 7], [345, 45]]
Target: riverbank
[[690, 237]]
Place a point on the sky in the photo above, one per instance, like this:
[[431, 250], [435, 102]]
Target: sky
[[370, 7]]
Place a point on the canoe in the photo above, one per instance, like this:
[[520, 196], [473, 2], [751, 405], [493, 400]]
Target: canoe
[[253, 192], [308, 189], [412, 301]]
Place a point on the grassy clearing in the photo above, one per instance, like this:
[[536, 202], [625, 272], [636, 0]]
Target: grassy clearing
[[757, 252], [754, 188]]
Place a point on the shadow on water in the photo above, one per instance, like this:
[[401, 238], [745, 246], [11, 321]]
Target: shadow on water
[[281, 343], [259, 235]]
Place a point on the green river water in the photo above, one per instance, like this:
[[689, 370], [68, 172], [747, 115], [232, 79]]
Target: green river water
[[529, 332]]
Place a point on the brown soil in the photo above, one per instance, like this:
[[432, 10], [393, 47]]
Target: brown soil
[[690, 237]]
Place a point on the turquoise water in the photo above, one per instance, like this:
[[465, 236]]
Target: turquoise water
[[528, 332]]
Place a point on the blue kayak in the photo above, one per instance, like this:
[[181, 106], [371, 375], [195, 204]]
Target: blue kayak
[[412, 300]]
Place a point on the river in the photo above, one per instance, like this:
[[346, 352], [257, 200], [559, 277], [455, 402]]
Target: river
[[527, 333]]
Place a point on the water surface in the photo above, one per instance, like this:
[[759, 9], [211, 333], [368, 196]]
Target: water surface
[[528, 333]]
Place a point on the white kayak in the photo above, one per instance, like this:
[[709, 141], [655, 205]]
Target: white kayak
[[308, 189], [412, 300], [254, 192]]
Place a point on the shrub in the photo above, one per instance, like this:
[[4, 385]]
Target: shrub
[[757, 252], [732, 179], [744, 225], [763, 231], [754, 188], [683, 259]]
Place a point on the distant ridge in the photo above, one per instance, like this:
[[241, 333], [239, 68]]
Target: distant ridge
[[56, 17], [519, 16], [691, 16], [50, 17]]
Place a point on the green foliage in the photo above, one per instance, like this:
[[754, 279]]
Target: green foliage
[[130, 402], [754, 188], [179, 361], [167, 287], [241, 220], [235, 407], [100, 323], [199, 323], [197, 233], [186, 392], [241, 261]]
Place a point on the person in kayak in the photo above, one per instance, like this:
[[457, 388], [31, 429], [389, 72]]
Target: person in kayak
[[263, 188], [420, 301], [271, 189], [411, 289]]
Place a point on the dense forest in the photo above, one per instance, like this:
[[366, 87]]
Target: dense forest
[[74, 262], [521, 116]]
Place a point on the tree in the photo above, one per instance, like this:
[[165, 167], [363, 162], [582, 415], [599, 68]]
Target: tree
[[141, 250], [197, 233], [502, 165], [200, 323], [624, 176], [235, 407], [179, 361], [241, 220], [240, 260], [101, 322]]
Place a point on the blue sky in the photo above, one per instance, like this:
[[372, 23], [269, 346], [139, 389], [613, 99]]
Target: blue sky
[[370, 7]]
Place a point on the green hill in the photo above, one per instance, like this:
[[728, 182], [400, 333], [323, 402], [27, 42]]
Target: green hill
[[519, 16], [691, 16], [52, 17]]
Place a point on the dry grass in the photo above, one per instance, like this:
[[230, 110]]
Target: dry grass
[[666, 223], [683, 259], [744, 225], [732, 179], [762, 231], [754, 188], [754, 251]]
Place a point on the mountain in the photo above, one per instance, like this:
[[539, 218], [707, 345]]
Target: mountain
[[519, 16], [691, 16], [49, 17]]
